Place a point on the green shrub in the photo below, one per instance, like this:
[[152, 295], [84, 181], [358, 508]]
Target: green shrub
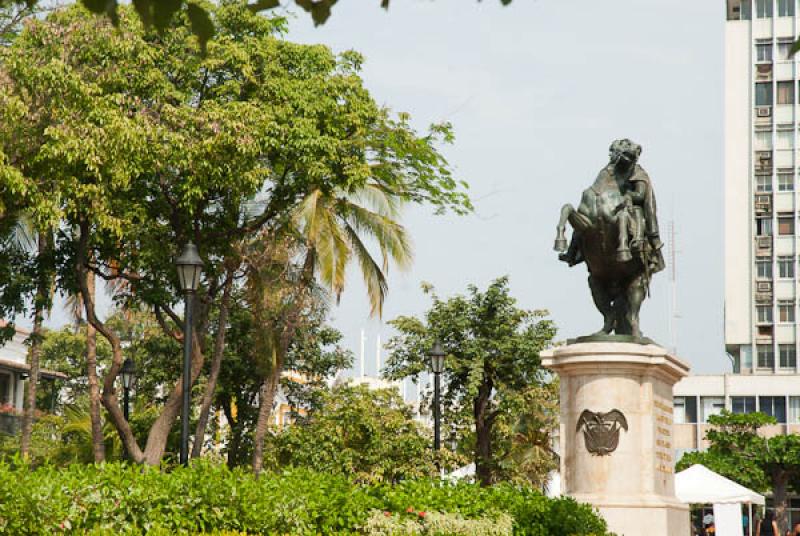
[[437, 524], [116, 498]]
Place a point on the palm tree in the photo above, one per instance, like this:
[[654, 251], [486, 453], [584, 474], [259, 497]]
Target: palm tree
[[334, 227]]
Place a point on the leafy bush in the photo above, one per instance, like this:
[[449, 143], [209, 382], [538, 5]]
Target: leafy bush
[[116, 498], [436, 524]]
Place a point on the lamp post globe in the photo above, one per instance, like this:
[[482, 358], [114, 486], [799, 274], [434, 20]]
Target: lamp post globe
[[437, 355], [128, 373], [190, 267]]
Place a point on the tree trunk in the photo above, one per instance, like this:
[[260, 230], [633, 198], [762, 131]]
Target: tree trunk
[[98, 445], [780, 483], [40, 306], [211, 386], [266, 397], [108, 397], [159, 431], [483, 434]]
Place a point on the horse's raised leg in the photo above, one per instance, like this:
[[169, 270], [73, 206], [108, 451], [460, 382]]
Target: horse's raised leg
[[635, 295], [578, 221], [603, 301], [561, 237]]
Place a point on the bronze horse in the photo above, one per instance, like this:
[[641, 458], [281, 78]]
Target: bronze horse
[[613, 235]]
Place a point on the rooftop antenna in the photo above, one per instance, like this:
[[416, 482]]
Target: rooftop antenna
[[673, 282]]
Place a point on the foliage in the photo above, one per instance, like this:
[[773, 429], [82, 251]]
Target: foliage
[[127, 140], [64, 351], [739, 452], [492, 371], [160, 14], [434, 523], [313, 358], [115, 498], [368, 434]]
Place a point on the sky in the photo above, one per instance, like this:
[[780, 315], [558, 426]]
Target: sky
[[536, 91]]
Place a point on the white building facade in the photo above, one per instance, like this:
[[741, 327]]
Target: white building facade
[[761, 197]]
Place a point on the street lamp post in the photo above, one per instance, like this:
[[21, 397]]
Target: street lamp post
[[436, 355], [189, 268], [128, 374]]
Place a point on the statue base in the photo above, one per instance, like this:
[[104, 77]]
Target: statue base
[[606, 337], [621, 462]]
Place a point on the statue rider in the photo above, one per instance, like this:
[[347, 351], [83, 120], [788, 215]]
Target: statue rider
[[636, 216]]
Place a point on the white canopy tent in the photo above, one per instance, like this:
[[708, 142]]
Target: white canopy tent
[[700, 485]]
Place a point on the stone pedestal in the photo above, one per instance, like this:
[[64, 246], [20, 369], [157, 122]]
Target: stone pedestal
[[630, 482]]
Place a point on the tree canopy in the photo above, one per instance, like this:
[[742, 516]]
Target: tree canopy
[[127, 142], [491, 367], [739, 452]]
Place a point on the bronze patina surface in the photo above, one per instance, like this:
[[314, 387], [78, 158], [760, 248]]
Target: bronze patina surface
[[601, 430], [615, 232]]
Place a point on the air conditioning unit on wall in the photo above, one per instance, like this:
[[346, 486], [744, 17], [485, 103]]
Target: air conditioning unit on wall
[[763, 111]]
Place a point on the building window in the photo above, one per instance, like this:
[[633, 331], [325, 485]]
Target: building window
[[794, 409], [711, 405], [685, 411], [764, 267], [764, 316], [747, 356], [787, 356], [743, 404], [763, 139], [766, 356], [763, 93], [785, 92], [784, 47], [774, 406], [786, 223], [763, 183], [785, 139], [763, 9], [764, 226], [786, 8], [785, 310], [786, 266], [785, 181], [763, 52]]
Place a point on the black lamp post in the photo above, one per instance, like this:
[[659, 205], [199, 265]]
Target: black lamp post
[[189, 268], [128, 374], [436, 354]]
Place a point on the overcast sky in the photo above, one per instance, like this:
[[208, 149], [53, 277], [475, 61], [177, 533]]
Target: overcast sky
[[536, 91]]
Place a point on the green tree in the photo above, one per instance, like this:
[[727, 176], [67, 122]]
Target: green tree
[[739, 452], [312, 359], [492, 349], [367, 434], [147, 142], [64, 351]]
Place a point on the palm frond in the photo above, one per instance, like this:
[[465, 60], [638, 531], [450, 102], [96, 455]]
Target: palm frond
[[372, 273]]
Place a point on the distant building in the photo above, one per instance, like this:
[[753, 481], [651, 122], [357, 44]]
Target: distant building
[[14, 372], [761, 200]]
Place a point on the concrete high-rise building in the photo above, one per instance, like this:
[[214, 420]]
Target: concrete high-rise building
[[761, 200]]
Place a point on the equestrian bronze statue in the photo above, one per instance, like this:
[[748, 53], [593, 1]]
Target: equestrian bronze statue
[[615, 232]]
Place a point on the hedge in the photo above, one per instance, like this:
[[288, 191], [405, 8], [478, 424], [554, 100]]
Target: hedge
[[117, 498]]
